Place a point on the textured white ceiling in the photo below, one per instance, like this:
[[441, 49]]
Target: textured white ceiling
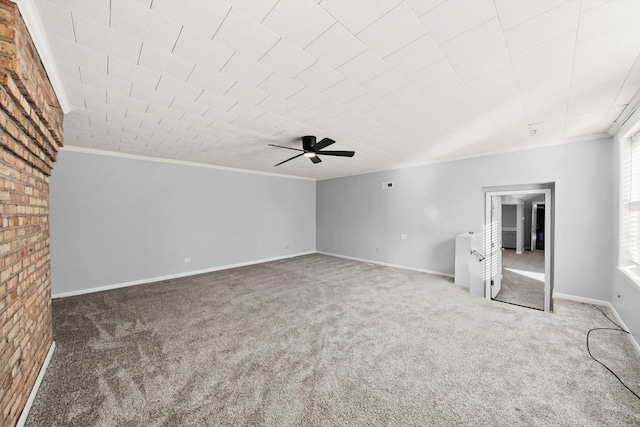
[[399, 82]]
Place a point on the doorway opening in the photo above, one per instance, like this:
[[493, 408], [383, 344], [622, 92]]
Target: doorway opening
[[518, 226]]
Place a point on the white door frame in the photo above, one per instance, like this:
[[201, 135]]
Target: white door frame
[[495, 280], [534, 226], [547, 237]]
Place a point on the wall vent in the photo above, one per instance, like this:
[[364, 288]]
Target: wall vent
[[387, 185]]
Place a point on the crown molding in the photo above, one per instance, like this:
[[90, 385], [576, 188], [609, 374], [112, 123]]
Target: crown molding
[[32, 21], [625, 115], [176, 162], [546, 144]]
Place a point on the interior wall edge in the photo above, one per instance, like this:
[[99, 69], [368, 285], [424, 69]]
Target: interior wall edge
[[176, 162], [39, 38], [610, 306], [624, 296], [386, 264], [31, 134], [173, 276], [584, 300], [36, 386], [117, 220], [547, 144], [415, 222]]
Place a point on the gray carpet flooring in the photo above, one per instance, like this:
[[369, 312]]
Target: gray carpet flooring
[[517, 287], [320, 341]]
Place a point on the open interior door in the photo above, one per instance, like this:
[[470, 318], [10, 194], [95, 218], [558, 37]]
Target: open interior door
[[534, 225], [492, 239], [496, 245]]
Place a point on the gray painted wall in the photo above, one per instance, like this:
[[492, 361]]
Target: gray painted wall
[[434, 203], [116, 220], [509, 218]]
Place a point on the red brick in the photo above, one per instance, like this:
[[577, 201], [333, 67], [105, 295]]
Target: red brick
[[30, 136]]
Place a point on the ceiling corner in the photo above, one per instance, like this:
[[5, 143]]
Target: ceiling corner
[[32, 21]]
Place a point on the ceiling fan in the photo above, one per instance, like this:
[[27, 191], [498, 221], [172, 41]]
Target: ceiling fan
[[311, 149]]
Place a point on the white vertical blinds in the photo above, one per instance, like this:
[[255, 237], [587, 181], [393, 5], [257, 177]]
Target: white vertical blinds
[[630, 204]]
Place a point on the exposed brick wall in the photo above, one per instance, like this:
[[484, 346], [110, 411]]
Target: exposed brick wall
[[30, 136]]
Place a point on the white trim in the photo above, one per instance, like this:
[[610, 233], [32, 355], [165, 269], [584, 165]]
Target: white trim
[[630, 126], [629, 278], [173, 276], [430, 162], [32, 396], [386, 264], [581, 299], [548, 286], [609, 306], [621, 323], [32, 21], [593, 137], [175, 162], [625, 115]]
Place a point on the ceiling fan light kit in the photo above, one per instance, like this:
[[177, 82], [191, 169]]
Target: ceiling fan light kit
[[312, 150]]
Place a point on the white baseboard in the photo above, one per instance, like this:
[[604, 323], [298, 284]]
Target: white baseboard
[[581, 299], [32, 396], [173, 276], [621, 323], [403, 267], [606, 304]]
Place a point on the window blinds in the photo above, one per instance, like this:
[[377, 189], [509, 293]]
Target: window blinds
[[631, 224]]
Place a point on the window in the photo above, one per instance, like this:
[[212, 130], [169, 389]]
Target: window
[[629, 256]]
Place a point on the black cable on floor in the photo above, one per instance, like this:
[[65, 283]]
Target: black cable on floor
[[608, 318], [619, 329]]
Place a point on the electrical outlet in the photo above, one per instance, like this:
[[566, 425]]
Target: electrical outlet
[[403, 236], [187, 260], [376, 249]]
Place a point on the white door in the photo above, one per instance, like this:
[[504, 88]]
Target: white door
[[496, 245], [534, 225]]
